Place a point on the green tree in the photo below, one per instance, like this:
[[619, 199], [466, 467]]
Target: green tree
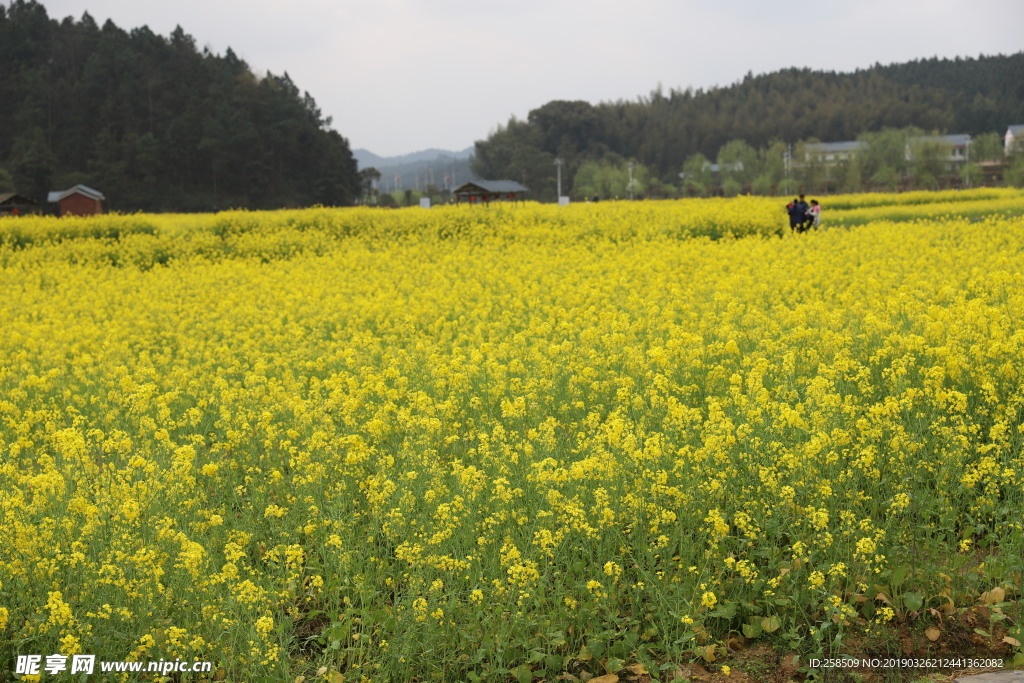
[[609, 179], [369, 180], [595, 178], [662, 129], [731, 187], [155, 123], [1015, 172], [32, 164], [738, 163], [848, 175], [565, 128], [809, 170], [492, 158], [971, 175], [771, 168], [928, 164], [6, 181], [987, 147], [697, 176], [884, 157]]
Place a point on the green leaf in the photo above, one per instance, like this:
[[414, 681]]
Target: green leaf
[[899, 575], [687, 637], [771, 624], [725, 611], [752, 631], [913, 601]]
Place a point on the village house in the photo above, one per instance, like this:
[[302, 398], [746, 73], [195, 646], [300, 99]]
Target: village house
[[832, 153], [954, 151], [956, 148], [1013, 141], [80, 200]]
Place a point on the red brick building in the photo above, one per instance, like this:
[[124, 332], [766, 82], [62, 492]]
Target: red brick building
[[79, 200]]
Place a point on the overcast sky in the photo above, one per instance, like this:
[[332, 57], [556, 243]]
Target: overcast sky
[[400, 76]]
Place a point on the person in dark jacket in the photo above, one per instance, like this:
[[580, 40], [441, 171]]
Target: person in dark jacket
[[795, 214], [805, 218]]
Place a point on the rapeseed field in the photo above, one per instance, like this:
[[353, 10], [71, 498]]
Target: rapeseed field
[[512, 442]]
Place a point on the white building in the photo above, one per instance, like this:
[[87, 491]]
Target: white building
[[832, 153], [1013, 141]]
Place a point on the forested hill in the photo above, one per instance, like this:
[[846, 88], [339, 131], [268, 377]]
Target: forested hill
[[156, 124], [974, 96]]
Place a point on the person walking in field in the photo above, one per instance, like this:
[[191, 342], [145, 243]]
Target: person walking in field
[[815, 213], [795, 215], [803, 218]]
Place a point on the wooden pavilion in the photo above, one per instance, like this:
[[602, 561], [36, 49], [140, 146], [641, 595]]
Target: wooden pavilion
[[15, 205], [487, 191]]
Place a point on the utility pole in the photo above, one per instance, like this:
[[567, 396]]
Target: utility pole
[[967, 160], [558, 168], [631, 167]]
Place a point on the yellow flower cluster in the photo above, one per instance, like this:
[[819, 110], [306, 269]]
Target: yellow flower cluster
[[371, 434]]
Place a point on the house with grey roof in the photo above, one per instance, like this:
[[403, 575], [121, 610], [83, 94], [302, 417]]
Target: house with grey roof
[[80, 200], [956, 148], [831, 153]]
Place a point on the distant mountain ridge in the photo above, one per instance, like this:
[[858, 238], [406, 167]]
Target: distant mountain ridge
[[661, 131], [365, 158], [437, 168]]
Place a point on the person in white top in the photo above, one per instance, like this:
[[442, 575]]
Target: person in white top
[[815, 213]]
